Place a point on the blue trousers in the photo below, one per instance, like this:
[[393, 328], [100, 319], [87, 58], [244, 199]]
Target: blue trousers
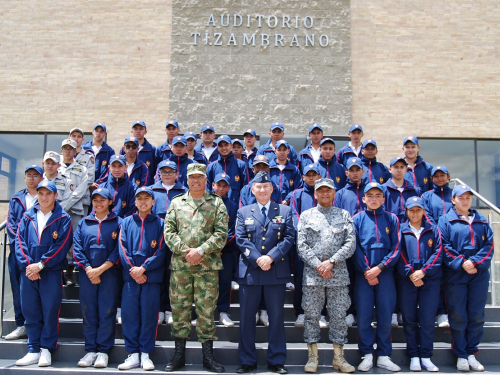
[[98, 303], [250, 296], [140, 307], [226, 275], [15, 285], [352, 282], [40, 302], [418, 306], [383, 297], [165, 285], [298, 276], [466, 297]]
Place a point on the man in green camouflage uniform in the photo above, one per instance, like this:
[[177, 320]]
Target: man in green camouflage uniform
[[196, 228]]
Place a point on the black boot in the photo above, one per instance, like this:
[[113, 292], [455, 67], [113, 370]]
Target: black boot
[[179, 359], [68, 277], [209, 362]]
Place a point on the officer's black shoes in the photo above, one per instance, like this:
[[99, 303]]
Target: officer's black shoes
[[280, 369], [243, 369], [209, 362], [179, 359], [68, 276]]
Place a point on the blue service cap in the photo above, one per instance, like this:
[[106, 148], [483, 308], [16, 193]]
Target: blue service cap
[[35, 167], [311, 167], [460, 190], [145, 189], [441, 168], [396, 159], [179, 139], [370, 142], [261, 159], [223, 138], [277, 125], [100, 125], [131, 139], [207, 127], [261, 177], [373, 185], [414, 202], [142, 123], [355, 127], [167, 163], [190, 135], [103, 192], [354, 161], [236, 140], [172, 122], [325, 140], [118, 158], [412, 139], [222, 177], [282, 142], [47, 185], [250, 131], [315, 126]]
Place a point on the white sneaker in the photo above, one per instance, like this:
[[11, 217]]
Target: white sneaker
[[442, 321], [146, 363], [28, 359], [235, 285], [474, 363], [101, 361], [462, 364], [323, 323], [394, 320], [415, 364], [168, 318], [193, 322], [18, 333], [290, 286], [428, 365], [45, 358], [300, 321], [225, 320], [366, 363], [88, 360], [385, 362], [132, 361], [264, 318], [119, 315], [349, 320], [161, 317]]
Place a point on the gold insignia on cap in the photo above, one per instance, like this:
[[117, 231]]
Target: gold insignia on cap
[[354, 160], [132, 139], [356, 126], [99, 190], [310, 165], [45, 183], [415, 199], [178, 138], [464, 186], [374, 184], [51, 154], [410, 138], [223, 175]]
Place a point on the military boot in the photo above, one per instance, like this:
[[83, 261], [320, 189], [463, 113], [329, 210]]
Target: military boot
[[339, 362], [179, 359], [312, 359], [209, 361]]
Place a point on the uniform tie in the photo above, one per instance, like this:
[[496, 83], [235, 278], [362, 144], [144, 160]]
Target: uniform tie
[[264, 216]]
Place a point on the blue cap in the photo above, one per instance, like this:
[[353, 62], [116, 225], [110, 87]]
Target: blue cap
[[222, 177], [172, 122], [207, 127], [100, 125], [373, 185], [282, 142], [277, 125], [145, 189], [414, 202], [355, 127], [142, 123], [250, 131], [47, 185], [35, 167], [315, 126], [261, 159], [167, 163], [369, 142], [441, 168], [412, 139], [396, 159], [223, 138], [179, 139], [103, 192], [236, 140], [131, 139], [118, 158], [460, 190], [354, 161], [190, 135], [261, 177], [311, 167], [325, 140]]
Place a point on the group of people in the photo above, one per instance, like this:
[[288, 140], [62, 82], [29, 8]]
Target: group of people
[[155, 230]]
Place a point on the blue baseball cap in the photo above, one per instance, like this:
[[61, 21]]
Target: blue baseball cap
[[167, 163], [145, 189], [207, 127], [315, 126], [190, 135], [277, 125], [396, 159], [131, 139], [414, 202], [172, 122], [100, 125], [103, 192], [261, 177], [412, 139], [223, 138], [34, 167], [369, 142], [261, 159], [355, 127], [354, 161], [250, 131], [373, 185], [236, 140], [311, 167], [142, 123], [222, 177], [441, 168], [460, 190], [49, 185], [325, 140], [118, 158], [280, 143], [179, 139]]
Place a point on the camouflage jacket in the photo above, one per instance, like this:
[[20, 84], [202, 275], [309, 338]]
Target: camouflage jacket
[[325, 234], [189, 226]]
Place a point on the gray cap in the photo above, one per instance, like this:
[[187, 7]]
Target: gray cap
[[328, 182], [69, 142], [52, 155]]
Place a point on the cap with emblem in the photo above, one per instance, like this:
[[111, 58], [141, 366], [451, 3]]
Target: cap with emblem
[[222, 177], [54, 156], [179, 139], [142, 123], [251, 132], [441, 168], [370, 142], [223, 138], [76, 130], [35, 168], [167, 163], [355, 127], [194, 168], [282, 142], [103, 192], [396, 159], [328, 182], [315, 126], [261, 177], [119, 158], [172, 122], [239, 141], [277, 125], [354, 161], [326, 140], [373, 185], [414, 202], [145, 189], [412, 139], [131, 139], [190, 135], [460, 190], [207, 127], [68, 142], [100, 126], [311, 167], [49, 185], [261, 159]]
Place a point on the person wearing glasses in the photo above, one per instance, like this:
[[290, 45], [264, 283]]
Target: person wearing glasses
[[137, 171], [180, 157]]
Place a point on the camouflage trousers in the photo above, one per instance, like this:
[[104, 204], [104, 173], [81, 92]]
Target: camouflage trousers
[[202, 288]]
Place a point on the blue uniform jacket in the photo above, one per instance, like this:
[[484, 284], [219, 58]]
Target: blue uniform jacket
[[53, 245], [122, 191], [420, 176], [377, 240], [148, 156], [236, 170], [17, 207], [350, 198], [141, 244], [335, 171], [437, 202], [300, 200], [182, 163], [424, 253], [250, 158], [247, 197], [463, 241], [215, 155], [268, 150], [139, 175], [287, 180], [375, 171], [101, 159], [232, 210], [345, 153], [163, 199], [305, 158], [255, 238], [163, 152], [200, 158], [395, 200], [94, 242]]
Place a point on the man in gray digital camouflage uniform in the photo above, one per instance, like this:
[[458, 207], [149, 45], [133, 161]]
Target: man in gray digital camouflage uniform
[[326, 238]]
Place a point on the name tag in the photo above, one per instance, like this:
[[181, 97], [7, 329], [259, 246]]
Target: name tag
[[249, 221]]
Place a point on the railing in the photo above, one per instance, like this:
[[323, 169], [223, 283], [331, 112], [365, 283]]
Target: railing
[[3, 258]]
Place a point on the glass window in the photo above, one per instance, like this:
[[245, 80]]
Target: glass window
[[54, 142], [488, 170]]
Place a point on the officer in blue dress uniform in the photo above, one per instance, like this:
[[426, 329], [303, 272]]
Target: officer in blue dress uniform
[[264, 235]]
